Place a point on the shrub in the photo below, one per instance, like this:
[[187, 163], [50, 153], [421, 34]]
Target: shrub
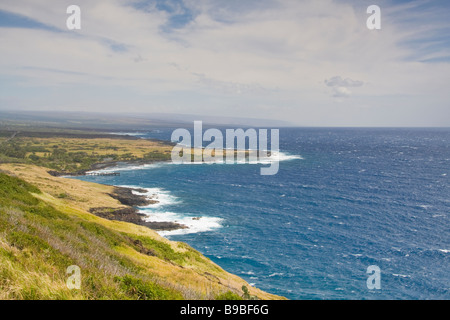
[[228, 296], [141, 290]]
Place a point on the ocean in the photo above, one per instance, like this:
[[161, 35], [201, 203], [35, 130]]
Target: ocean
[[344, 199]]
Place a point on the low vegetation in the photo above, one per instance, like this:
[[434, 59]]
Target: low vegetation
[[41, 236], [46, 226], [38, 243], [71, 154]]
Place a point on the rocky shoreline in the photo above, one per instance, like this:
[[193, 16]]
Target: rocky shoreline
[[103, 165], [126, 197], [130, 214]]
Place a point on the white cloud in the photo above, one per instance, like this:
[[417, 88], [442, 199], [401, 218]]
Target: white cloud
[[337, 81], [340, 86], [230, 56]]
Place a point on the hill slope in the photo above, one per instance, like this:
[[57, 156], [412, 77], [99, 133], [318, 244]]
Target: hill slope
[[41, 235]]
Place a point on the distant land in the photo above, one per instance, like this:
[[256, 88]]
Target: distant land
[[123, 121], [48, 223]]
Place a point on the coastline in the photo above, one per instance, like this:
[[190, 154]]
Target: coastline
[[130, 213], [126, 197], [120, 210], [172, 265], [103, 166]]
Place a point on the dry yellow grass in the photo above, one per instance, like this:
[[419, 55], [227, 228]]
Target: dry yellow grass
[[80, 194], [101, 146], [22, 282], [200, 276]]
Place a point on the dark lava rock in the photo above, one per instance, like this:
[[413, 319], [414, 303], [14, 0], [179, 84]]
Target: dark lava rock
[[128, 198], [132, 215]]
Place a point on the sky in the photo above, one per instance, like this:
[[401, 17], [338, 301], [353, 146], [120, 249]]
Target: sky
[[308, 62]]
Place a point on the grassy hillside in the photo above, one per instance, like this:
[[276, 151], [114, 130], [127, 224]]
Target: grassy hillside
[[42, 234]]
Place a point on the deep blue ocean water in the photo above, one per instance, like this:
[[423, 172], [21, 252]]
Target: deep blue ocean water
[[356, 197]]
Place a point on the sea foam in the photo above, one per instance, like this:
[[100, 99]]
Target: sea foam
[[275, 156], [155, 212]]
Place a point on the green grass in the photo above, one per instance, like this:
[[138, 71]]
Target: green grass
[[71, 155], [38, 243], [165, 251], [140, 290], [42, 235], [228, 296]]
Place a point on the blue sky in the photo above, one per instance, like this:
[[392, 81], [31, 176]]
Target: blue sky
[[308, 62]]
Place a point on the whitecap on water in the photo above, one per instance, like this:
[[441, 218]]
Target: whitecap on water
[[276, 274], [154, 212], [193, 224], [133, 134], [275, 156], [163, 197], [401, 275], [129, 167]]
